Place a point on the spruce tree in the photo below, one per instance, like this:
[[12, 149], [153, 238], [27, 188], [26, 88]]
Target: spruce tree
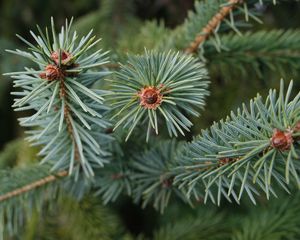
[[108, 126]]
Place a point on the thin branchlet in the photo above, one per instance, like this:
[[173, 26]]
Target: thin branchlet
[[212, 25], [67, 114], [33, 185], [254, 149]]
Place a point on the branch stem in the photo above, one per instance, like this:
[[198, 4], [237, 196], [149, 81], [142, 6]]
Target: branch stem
[[212, 25], [33, 185], [67, 115]]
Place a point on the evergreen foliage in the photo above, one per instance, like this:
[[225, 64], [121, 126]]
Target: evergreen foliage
[[211, 18], [169, 82], [67, 110], [152, 178], [255, 52], [13, 213], [89, 120], [253, 148]]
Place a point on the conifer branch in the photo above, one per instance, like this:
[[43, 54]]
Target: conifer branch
[[61, 92], [255, 149], [213, 17], [212, 25], [24, 190], [250, 152], [33, 185], [115, 179], [159, 85], [152, 176], [275, 51]]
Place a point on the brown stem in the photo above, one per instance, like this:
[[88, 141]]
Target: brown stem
[[63, 96], [33, 185], [112, 65], [212, 25], [67, 115]]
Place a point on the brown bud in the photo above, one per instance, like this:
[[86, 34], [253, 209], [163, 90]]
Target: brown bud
[[65, 57], [166, 182], [150, 97], [109, 130], [224, 161], [199, 200], [282, 140], [117, 176], [52, 72]]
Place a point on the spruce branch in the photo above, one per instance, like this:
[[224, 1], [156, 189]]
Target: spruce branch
[[152, 176], [68, 109], [212, 25], [255, 148], [159, 85], [115, 179], [31, 189], [33, 185], [212, 17], [255, 52]]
